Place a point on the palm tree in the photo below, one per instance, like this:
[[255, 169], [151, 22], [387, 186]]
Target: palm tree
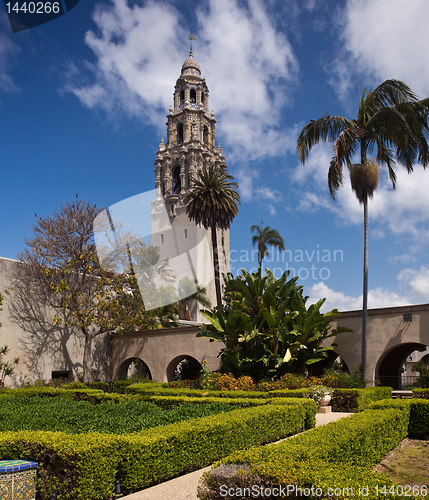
[[391, 123], [266, 236], [213, 203]]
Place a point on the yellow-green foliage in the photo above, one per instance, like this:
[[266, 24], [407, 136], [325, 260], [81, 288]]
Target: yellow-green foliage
[[352, 400], [337, 455], [85, 467], [418, 410], [77, 467]]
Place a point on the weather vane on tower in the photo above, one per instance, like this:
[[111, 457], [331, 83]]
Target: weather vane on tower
[[191, 37]]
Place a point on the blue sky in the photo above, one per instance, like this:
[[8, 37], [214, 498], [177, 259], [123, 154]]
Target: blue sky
[[84, 99]]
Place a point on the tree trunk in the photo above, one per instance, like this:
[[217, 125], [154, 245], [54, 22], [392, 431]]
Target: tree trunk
[[365, 283], [216, 267], [87, 358]]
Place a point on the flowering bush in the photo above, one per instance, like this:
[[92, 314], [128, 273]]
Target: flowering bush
[[318, 392]]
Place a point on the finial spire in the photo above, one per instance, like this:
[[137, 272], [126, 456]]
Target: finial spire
[[191, 37]]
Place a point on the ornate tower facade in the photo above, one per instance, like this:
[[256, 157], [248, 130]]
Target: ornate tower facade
[[190, 146]]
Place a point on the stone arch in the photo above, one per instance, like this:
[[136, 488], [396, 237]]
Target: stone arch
[[180, 133], [327, 363], [177, 184], [142, 369], [388, 368], [171, 368]]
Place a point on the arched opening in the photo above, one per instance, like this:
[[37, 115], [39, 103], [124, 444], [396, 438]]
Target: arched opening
[[180, 133], [332, 362], [206, 134], [135, 369], [183, 367], [182, 96], [177, 186], [193, 96], [203, 99], [390, 369]]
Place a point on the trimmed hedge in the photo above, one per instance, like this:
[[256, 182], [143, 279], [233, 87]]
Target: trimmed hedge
[[84, 467], [337, 455], [309, 405], [355, 400], [421, 393], [418, 410], [148, 390], [173, 450], [77, 467]]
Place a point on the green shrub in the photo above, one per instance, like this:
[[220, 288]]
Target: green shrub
[[84, 467], [81, 467], [353, 400], [339, 454], [192, 445], [421, 393], [64, 415]]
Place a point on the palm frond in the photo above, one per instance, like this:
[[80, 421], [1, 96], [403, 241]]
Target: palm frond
[[324, 129]]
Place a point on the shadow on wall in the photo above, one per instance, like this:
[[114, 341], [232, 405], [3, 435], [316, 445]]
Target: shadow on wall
[[48, 348]]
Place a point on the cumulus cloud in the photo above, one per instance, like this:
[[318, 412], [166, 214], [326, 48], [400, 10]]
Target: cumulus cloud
[[383, 39], [377, 297], [415, 283], [404, 211], [247, 62]]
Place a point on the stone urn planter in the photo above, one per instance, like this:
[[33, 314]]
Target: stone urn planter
[[325, 400]]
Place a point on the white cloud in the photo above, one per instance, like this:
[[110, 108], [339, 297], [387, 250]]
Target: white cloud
[[404, 211], [384, 39], [377, 297], [416, 283], [138, 59], [8, 52], [246, 61]]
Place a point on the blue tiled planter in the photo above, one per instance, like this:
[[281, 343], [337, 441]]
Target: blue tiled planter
[[17, 480]]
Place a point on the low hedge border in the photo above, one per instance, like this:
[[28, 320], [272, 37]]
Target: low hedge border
[[84, 467], [337, 455], [421, 393], [355, 400], [168, 402], [418, 409]]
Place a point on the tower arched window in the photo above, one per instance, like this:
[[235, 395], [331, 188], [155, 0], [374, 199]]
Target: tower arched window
[[182, 96], [206, 135], [180, 133], [193, 96], [177, 186], [203, 99]]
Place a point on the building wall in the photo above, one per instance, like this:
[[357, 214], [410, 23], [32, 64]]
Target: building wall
[[28, 330], [386, 330]]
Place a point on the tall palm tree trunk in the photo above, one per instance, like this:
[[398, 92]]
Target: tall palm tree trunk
[[216, 267], [365, 282]]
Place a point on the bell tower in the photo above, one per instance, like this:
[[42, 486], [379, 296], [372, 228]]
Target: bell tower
[[190, 146]]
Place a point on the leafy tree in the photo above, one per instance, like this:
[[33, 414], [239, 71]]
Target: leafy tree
[[60, 268], [266, 328], [266, 236], [213, 203], [6, 367], [392, 124]]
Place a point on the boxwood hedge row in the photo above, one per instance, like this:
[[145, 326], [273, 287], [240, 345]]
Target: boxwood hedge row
[[85, 466], [337, 456]]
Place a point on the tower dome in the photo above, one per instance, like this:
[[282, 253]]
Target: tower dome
[[191, 66]]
